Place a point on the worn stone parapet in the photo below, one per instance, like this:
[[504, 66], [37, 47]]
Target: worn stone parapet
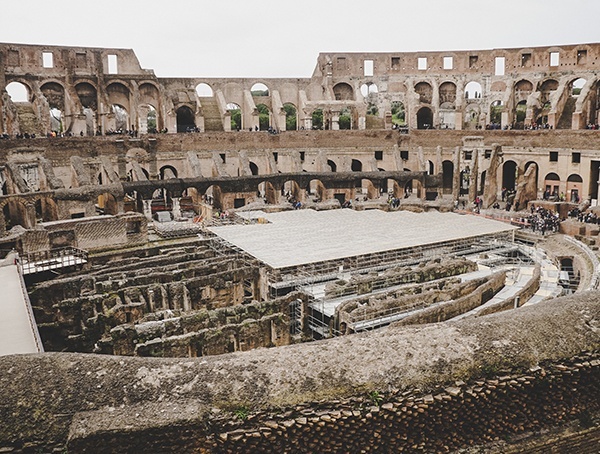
[[524, 369]]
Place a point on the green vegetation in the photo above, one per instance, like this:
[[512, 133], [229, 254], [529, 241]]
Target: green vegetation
[[317, 119], [376, 398], [345, 120], [398, 113], [236, 119], [242, 413], [263, 117], [290, 117]]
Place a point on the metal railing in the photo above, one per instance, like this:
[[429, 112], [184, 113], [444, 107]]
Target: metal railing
[[54, 259]]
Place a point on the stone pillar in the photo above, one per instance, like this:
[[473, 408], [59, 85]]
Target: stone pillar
[[456, 176], [335, 121], [175, 208], [30, 217], [474, 177], [2, 223], [148, 209], [490, 190]]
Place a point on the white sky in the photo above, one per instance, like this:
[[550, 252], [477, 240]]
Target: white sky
[[282, 38]]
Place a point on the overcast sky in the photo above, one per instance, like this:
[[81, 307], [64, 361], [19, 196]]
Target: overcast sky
[[279, 38]]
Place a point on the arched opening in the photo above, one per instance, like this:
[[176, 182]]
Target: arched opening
[[259, 89], [448, 95], [185, 119], [161, 200], [203, 90], [118, 94], [429, 167], [523, 89], [332, 165], [398, 113], [133, 176], [121, 118], [167, 172], [46, 210], [520, 113], [551, 185], [574, 90], [425, 92], [264, 117], [447, 176], [369, 89], [577, 86], [317, 190], [15, 213], [356, 165], [147, 119], [267, 192], [317, 119], [509, 175], [18, 92], [574, 187], [368, 189], [413, 188], [547, 88], [107, 204], [235, 112], [214, 197], [253, 168], [343, 92], [537, 169], [424, 118], [291, 191], [496, 109], [55, 96], [473, 90], [291, 121], [88, 98]]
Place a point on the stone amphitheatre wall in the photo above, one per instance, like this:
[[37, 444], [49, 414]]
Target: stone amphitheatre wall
[[499, 383]]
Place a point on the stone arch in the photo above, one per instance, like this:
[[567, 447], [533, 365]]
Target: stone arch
[[576, 85], [424, 118], [267, 191], [316, 188], [121, 118], [369, 89], [237, 119], [214, 196], [167, 172], [253, 168], [118, 93], [147, 119], [332, 165], [496, 109], [425, 92], [264, 117], [537, 170], [523, 88], [574, 187], [509, 175], [447, 95], [259, 89], [88, 98], [107, 203], [292, 191], [473, 90], [204, 90], [447, 176], [343, 92], [356, 165], [185, 119], [46, 209], [19, 91], [551, 183], [369, 189], [430, 169], [54, 93]]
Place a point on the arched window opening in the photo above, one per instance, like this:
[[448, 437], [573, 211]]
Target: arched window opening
[[496, 109], [447, 176], [121, 118], [577, 86], [18, 92], [235, 112], [369, 89], [204, 90], [356, 165], [424, 118], [253, 168], [509, 175], [473, 90], [259, 89], [185, 119], [425, 92], [332, 165], [343, 92]]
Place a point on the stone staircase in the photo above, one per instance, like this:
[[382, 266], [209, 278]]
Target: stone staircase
[[566, 118], [28, 121], [212, 115]]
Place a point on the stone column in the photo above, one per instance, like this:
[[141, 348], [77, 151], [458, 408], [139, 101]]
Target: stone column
[[456, 176], [175, 208], [473, 178], [490, 190], [148, 209]]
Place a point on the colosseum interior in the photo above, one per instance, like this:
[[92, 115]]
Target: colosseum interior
[[397, 254]]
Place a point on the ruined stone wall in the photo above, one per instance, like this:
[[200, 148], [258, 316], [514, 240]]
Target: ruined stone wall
[[496, 386]]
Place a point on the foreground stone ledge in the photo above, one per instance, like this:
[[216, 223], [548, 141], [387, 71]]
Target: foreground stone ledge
[[124, 403]]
